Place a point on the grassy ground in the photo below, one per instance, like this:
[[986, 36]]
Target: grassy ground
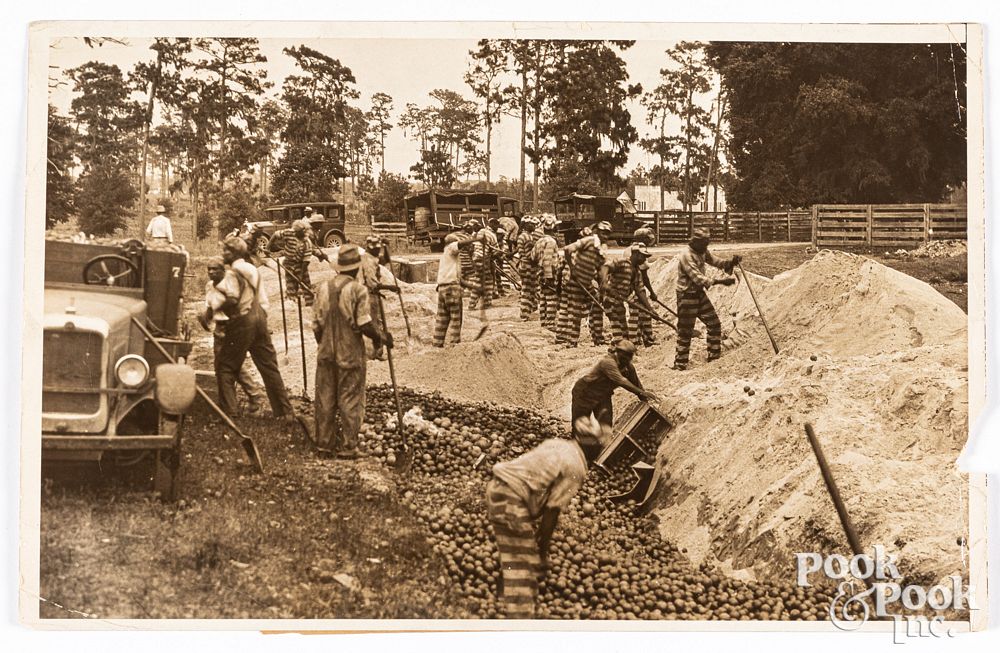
[[238, 545]]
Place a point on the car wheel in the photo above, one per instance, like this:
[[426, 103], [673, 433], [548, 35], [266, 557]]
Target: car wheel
[[333, 240], [263, 241]]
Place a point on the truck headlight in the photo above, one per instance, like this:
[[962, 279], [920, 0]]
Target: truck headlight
[[132, 370]]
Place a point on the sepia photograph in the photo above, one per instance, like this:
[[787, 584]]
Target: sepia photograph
[[465, 326]]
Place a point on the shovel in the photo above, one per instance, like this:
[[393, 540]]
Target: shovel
[[248, 445], [753, 296], [404, 461]]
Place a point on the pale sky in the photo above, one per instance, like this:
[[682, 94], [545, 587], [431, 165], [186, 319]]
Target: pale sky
[[406, 69]]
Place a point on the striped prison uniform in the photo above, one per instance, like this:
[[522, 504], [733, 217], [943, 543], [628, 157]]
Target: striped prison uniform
[[482, 266], [449, 288], [528, 271], [640, 324], [574, 302], [545, 478], [693, 304], [297, 251], [545, 254], [617, 285], [500, 259]]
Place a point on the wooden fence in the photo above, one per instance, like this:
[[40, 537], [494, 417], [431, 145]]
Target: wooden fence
[[886, 225], [726, 226]]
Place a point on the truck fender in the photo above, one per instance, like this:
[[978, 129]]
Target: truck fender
[[175, 387]]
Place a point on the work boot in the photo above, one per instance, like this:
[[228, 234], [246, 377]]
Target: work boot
[[679, 368]]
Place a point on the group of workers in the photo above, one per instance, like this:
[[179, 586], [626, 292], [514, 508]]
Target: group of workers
[[525, 495]]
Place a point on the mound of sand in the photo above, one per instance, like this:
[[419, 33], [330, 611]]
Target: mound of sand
[[887, 395], [495, 368]]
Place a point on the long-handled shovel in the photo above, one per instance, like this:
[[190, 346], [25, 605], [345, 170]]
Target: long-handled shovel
[[753, 296], [404, 460], [302, 338], [284, 319], [248, 444]]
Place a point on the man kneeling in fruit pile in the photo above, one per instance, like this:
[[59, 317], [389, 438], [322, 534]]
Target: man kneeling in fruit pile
[[534, 488], [341, 316], [592, 392]]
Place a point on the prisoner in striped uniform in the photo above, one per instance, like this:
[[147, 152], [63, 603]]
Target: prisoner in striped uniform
[[582, 258], [692, 300], [545, 254], [448, 323], [298, 248], [526, 269], [616, 289], [523, 500], [640, 324], [482, 264]]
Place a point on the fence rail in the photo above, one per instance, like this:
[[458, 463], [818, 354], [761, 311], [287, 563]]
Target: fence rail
[[732, 226], [886, 225]]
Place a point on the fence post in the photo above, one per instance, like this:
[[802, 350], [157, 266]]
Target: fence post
[[690, 225], [927, 223], [725, 226], [788, 226], [868, 230], [656, 225], [760, 233], [815, 225]]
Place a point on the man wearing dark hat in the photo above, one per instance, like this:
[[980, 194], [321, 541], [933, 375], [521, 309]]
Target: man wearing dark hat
[[592, 392], [341, 316], [524, 498], [692, 300], [246, 331]]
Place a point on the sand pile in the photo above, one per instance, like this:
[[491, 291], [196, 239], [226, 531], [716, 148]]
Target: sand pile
[[887, 394], [495, 368]]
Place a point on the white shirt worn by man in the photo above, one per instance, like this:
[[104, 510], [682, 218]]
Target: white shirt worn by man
[[449, 267], [251, 275], [159, 227]]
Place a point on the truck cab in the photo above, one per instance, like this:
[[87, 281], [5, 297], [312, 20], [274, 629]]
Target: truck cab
[[576, 211], [109, 395]]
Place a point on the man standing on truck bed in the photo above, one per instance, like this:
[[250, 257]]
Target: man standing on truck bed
[[298, 248], [159, 230], [341, 316], [692, 300], [246, 331]]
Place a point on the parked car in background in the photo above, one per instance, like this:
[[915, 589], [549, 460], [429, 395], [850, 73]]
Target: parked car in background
[[327, 223]]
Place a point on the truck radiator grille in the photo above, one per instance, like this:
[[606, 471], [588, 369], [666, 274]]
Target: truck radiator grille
[[71, 360]]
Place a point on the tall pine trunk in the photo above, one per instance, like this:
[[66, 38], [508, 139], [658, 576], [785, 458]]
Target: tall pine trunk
[[524, 126]]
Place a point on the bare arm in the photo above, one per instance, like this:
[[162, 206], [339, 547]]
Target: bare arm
[[546, 527]]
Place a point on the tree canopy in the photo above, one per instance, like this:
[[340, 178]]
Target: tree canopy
[[850, 123]]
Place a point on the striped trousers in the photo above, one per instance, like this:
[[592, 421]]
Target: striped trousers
[[695, 305], [616, 314], [640, 324], [449, 314], [485, 278], [519, 558], [595, 320], [529, 290], [573, 303], [548, 304]]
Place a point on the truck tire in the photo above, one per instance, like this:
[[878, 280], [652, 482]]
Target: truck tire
[[168, 461]]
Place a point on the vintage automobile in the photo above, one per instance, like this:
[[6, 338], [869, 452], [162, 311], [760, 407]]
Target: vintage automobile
[[576, 211], [327, 222], [108, 394]]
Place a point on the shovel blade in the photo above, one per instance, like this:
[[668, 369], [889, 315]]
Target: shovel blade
[[404, 461], [252, 454]]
